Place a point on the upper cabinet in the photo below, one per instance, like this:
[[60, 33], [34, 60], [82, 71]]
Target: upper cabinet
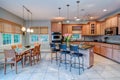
[[102, 27], [118, 24], [43, 30], [112, 22], [56, 27], [66, 29], [85, 29], [93, 28], [1, 27]]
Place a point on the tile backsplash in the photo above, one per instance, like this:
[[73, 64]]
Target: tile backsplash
[[111, 39]]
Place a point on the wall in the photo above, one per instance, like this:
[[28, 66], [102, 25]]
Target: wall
[[10, 16]]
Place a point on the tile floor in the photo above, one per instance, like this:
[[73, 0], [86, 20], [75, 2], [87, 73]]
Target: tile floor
[[103, 69]]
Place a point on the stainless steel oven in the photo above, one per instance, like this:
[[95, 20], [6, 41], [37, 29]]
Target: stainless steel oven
[[56, 37]]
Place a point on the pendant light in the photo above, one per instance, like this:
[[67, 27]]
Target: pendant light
[[78, 18], [23, 28], [68, 21], [28, 29], [59, 15]]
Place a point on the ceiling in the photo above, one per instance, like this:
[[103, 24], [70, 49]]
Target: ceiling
[[48, 9]]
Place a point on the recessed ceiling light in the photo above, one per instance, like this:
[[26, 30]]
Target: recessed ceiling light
[[91, 17], [104, 10], [75, 17]]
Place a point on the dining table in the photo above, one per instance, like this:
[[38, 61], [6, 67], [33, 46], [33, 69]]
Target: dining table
[[23, 51]]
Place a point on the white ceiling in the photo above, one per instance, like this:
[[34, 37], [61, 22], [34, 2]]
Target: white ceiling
[[48, 9]]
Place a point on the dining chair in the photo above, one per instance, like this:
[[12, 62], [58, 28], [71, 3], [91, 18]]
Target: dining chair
[[11, 58], [13, 46], [19, 46]]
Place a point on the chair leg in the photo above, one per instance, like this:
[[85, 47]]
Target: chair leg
[[11, 66], [65, 62], [22, 63], [16, 67], [5, 68], [51, 57]]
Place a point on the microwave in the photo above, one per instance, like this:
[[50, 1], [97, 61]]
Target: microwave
[[56, 37], [111, 31]]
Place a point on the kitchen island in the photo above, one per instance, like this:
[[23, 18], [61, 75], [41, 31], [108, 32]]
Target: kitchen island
[[87, 51]]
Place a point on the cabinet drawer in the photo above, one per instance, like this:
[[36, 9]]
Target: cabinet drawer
[[116, 47]]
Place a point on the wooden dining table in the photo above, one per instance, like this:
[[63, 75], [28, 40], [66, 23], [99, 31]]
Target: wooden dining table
[[23, 51]]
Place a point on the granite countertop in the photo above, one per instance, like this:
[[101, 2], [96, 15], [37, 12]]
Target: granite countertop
[[85, 47], [97, 41]]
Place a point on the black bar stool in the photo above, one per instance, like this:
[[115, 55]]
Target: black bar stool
[[54, 49], [76, 54], [64, 51]]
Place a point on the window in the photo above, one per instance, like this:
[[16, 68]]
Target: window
[[76, 36], [43, 38], [16, 38], [34, 38], [7, 39]]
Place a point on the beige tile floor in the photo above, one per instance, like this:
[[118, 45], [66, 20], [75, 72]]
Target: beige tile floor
[[103, 69]]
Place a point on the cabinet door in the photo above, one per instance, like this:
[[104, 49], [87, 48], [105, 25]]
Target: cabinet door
[[109, 53], [102, 26], [119, 24], [114, 21], [1, 27], [56, 27], [103, 51], [66, 29], [116, 55], [86, 30], [97, 49], [93, 28], [98, 29], [7, 28]]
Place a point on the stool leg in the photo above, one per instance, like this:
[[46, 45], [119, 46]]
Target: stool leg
[[56, 58], [83, 63], [60, 59], [65, 62], [79, 65], [70, 62]]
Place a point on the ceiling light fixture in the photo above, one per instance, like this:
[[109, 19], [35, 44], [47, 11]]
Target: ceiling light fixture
[[78, 19], [59, 15], [68, 21], [104, 10], [29, 20]]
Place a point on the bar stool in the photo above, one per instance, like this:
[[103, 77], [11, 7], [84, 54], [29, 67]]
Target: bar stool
[[65, 52], [76, 54], [54, 50]]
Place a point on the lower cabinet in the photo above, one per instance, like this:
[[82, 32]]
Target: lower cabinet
[[116, 55], [109, 53], [103, 51]]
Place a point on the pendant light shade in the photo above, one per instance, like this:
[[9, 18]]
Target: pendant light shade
[[78, 18], [67, 21]]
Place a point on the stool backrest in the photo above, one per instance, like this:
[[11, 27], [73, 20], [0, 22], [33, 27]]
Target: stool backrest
[[74, 48], [63, 47], [52, 45]]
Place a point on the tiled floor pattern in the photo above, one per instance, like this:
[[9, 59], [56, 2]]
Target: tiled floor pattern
[[103, 69]]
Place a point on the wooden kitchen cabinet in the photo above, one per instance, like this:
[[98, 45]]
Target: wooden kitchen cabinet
[[93, 28], [56, 27], [102, 28], [86, 29], [116, 53], [97, 48], [98, 28], [112, 21], [118, 24], [67, 29], [1, 27], [7, 28]]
